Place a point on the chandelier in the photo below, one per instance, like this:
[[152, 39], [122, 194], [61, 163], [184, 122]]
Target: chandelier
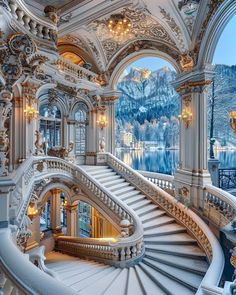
[[118, 25]]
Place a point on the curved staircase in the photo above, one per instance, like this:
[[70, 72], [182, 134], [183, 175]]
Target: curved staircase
[[173, 262]]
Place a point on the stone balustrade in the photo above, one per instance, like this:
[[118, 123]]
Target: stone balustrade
[[39, 27], [121, 253], [30, 281], [194, 224], [75, 70], [164, 181], [219, 207]]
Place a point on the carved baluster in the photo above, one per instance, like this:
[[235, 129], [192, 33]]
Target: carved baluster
[[39, 30], [26, 20], [13, 7], [20, 15], [134, 251], [122, 254]]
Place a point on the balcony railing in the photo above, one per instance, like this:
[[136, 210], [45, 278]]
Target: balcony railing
[[227, 178]]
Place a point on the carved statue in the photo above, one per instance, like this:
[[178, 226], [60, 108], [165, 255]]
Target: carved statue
[[61, 152], [102, 145], [186, 62], [38, 143]]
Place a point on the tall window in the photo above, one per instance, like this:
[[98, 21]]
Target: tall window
[[80, 131], [50, 125], [45, 222]]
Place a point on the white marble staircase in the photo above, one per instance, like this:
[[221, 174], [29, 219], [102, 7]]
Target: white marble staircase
[[173, 262]]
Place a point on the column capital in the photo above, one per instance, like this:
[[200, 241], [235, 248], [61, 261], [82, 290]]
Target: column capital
[[195, 81]]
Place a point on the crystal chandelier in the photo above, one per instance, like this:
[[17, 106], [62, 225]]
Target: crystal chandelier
[[118, 25]]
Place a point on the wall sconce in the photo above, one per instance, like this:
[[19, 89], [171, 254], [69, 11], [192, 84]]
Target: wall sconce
[[30, 113], [232, 120], [32, 211], [186, 116], [102, 121]]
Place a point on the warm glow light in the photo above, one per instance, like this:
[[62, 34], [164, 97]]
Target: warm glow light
[[119, 25], [186, 116], [32, 211], [113, 240], [232, 120], [102, 121], [30, 113]]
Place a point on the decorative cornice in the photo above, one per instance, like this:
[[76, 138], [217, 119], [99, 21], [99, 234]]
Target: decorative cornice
[[193, 84]]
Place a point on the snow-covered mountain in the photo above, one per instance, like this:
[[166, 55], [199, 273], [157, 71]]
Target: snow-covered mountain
[[149, 105]]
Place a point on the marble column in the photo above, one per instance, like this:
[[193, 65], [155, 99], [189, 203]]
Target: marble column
[[192, 173], [72, 220], [55, 211]]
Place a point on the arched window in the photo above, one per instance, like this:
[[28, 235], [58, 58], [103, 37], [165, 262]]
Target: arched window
[[80, 130], [50, 125]]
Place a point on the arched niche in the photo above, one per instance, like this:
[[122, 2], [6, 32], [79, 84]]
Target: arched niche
[[214, 30]]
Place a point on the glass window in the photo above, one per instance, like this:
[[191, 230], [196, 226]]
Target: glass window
[[80, 132], [45, 222], [84, 219], [50, 125]]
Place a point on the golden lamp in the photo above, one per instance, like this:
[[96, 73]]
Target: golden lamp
[[32, 211], [30, 113], [186, 116], [232, 120], [102, 121]]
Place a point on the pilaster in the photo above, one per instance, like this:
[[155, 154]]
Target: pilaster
[[72, 220], [192, 174]]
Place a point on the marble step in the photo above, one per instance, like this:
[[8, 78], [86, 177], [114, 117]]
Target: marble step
[[168, 285], [186, 278], [174, 239], [168, 229], [189, 264], [93, 279], [146, 210], [99, 174], [116, 179], [119, 285], [149, 286], [76, 278], [135, 199], [103, 176], [122, 191], [102, 284], [191, 251], [134, 284], [140, 204], [118, 186], [157, 222], [89, 169], [152, 215], [128, 195]]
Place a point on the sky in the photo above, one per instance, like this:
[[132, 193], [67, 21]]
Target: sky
[[225, 52]]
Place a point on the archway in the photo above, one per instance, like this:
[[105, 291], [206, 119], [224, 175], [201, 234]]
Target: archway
[[147, 125], [222, 102]]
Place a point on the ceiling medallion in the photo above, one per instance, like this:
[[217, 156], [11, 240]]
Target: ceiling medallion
[[189, 7], [118, 25]]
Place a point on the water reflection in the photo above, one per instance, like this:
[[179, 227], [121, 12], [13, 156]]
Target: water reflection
[[164, 161], [161, 161]]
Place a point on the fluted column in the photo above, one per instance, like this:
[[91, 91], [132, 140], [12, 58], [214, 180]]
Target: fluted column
[[72, 220], [55, 211], [192, 174]]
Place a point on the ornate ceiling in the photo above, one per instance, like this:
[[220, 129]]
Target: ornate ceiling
[[165, 25]]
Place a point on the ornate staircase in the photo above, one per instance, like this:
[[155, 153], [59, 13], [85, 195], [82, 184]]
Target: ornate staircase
[[173, 261]]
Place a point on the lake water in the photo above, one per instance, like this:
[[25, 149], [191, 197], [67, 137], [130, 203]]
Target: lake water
[[164, 161]]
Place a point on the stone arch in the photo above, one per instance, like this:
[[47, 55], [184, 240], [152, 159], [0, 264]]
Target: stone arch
[[137, 50], [214, 30]]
